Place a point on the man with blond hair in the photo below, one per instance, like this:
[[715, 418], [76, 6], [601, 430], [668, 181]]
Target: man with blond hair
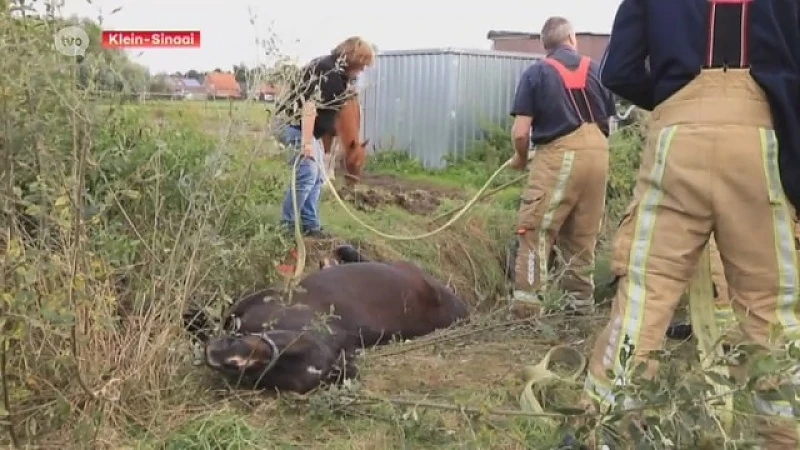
[[563, 109], [311, 109]]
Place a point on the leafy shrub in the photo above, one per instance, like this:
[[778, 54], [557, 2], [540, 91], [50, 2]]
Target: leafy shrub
[[111, 223]]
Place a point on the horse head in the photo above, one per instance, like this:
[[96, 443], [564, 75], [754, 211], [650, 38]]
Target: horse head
[[349, 132], [282, 359], [354, 160]]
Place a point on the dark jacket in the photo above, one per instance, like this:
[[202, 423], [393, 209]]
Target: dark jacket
[[672, 35]]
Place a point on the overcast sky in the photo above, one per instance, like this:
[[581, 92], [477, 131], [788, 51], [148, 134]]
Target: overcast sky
[[307, 28]]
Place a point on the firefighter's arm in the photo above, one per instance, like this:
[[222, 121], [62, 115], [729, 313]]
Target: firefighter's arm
[[522, 109], [521, 134], [624, 70]]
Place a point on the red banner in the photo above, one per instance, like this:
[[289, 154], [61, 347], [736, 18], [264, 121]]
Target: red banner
[[151, 39]]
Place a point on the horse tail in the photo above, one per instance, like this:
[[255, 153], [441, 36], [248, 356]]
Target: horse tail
[[348, 254]]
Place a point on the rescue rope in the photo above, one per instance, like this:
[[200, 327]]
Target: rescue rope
[[541, 376], [397, 237], [293, 280]]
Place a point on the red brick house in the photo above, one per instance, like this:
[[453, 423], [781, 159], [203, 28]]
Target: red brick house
[[592, 45], [266, 92], [222, 85]]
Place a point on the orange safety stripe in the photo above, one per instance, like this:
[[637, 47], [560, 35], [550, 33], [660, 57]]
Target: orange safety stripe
[[575, 81]]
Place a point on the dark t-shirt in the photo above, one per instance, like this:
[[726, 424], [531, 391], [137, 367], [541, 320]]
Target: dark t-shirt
[[541, 94], [323, 81]]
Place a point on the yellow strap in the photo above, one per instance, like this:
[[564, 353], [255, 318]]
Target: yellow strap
[[704, 326], [707, 333], [540, 376]]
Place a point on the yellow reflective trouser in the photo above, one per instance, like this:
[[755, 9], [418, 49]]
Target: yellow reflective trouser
[[710, 165], [564, 201]]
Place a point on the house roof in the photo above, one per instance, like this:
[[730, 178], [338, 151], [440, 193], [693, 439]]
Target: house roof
[[505, 34], [222, 81], [190, 83]]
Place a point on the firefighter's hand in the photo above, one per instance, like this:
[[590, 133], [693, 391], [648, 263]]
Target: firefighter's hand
[[518, 163]]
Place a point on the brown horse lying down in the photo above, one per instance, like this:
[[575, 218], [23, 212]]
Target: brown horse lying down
[[273, 345]]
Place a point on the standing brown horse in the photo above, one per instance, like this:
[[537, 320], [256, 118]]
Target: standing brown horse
[[348, 135]]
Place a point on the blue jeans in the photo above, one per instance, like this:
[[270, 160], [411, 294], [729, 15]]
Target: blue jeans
[[308, 183]]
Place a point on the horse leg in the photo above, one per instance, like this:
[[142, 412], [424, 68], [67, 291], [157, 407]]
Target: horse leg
[[330, 152], [330, 159]]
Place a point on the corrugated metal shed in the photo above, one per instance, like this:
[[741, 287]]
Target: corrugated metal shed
[[432, 102]]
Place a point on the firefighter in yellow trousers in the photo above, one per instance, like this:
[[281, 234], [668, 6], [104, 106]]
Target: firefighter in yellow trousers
[[722, 156], [561, 99]]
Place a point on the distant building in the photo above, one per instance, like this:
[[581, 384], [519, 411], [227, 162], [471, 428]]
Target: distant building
[[592, 45], [193, 89], [186, 88], [222, 85], [265, 92]]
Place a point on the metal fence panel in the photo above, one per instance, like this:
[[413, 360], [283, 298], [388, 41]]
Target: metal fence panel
[[431, 103]]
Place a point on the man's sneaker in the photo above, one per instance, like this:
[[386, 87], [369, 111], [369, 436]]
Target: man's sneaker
[[580, 309], [679, 331], [317, 234], [570, 443]]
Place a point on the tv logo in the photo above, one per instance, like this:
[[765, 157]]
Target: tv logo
[[72, 41]]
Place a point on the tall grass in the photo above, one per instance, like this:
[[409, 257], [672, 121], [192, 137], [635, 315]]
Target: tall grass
[[111, 223]]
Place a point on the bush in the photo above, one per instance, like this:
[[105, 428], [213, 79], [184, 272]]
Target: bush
[[111, 223]]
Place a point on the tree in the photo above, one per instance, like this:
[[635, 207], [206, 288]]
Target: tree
[[195, 75], [240, 72], [282, 73], [160, 83], [102, 68]]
